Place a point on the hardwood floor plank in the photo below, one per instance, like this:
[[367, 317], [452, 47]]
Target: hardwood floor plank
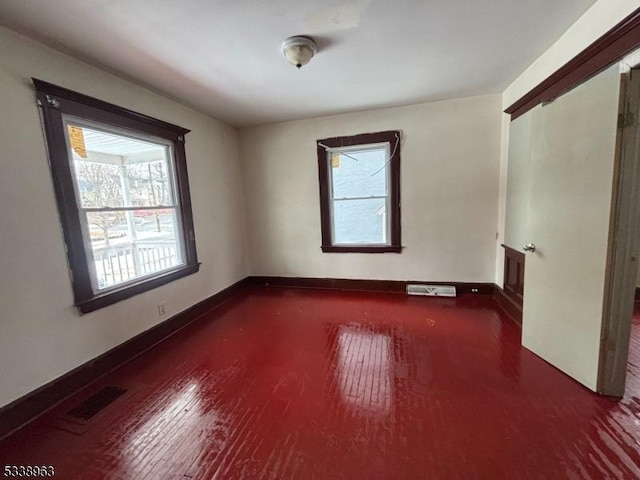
[[284, 383]]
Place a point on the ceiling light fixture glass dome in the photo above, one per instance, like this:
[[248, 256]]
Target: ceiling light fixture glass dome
[[298, 50]]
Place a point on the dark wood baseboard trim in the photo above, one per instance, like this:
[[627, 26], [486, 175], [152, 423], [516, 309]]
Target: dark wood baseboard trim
[[637, 294], [385, 286], [508, 305], [25, 409], [611, 47], [503, 301]]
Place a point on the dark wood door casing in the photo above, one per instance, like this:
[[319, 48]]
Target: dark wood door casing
[[513, 274], [610, 48]]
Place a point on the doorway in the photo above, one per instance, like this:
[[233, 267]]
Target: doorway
[[573, 206], [620, 319]]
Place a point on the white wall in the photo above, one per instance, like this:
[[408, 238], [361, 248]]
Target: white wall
[[601, 17], [41, 335], [449, 193]]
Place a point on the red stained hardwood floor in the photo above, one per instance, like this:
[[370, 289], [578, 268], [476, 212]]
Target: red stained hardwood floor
[[282, 383]]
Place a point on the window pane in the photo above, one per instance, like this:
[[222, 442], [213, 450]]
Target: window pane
[[98, 184], [149, 183], [115, 170], [360, 221], [130, 244], [359, 174]]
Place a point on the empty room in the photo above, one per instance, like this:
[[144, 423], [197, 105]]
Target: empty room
[[346, 239]]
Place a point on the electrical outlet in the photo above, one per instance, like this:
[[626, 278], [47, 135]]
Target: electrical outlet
[[161, 310]]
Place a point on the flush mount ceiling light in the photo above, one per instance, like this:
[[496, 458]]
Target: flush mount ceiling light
[[298, 50]]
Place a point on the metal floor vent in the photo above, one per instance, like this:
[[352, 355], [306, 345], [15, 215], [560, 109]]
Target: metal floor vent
[[431, 290], [96, 403]]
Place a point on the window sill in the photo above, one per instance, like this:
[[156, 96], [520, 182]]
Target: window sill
[[361, 248], [113, 296]]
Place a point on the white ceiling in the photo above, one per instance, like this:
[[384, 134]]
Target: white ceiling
[[223, 56]]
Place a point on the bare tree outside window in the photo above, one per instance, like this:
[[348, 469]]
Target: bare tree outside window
[[100, 186]]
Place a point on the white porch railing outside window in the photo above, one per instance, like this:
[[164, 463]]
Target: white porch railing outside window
[[125, 262]]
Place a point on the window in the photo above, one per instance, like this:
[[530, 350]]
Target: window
[[360, 193], [123, 195]]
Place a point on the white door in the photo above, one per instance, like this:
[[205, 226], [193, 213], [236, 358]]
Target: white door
[[571, 166]]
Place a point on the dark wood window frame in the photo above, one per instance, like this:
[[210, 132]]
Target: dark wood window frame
[[55, 102], [393, 138]]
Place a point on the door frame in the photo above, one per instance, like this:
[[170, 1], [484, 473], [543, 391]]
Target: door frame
[[624, 243]]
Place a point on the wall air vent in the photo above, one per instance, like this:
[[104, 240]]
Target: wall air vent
[[431, 290]]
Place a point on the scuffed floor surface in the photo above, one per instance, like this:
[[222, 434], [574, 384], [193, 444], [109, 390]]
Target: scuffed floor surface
[[283, 383]]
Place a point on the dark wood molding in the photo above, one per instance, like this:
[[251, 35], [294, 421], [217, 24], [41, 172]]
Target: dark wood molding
[[510, 307], [32, 405], [604, 52], [513, 279], [359, 285], [637, 296], [129, 290], [391, 137], [361, 249], [168, 130], [57, 101]]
